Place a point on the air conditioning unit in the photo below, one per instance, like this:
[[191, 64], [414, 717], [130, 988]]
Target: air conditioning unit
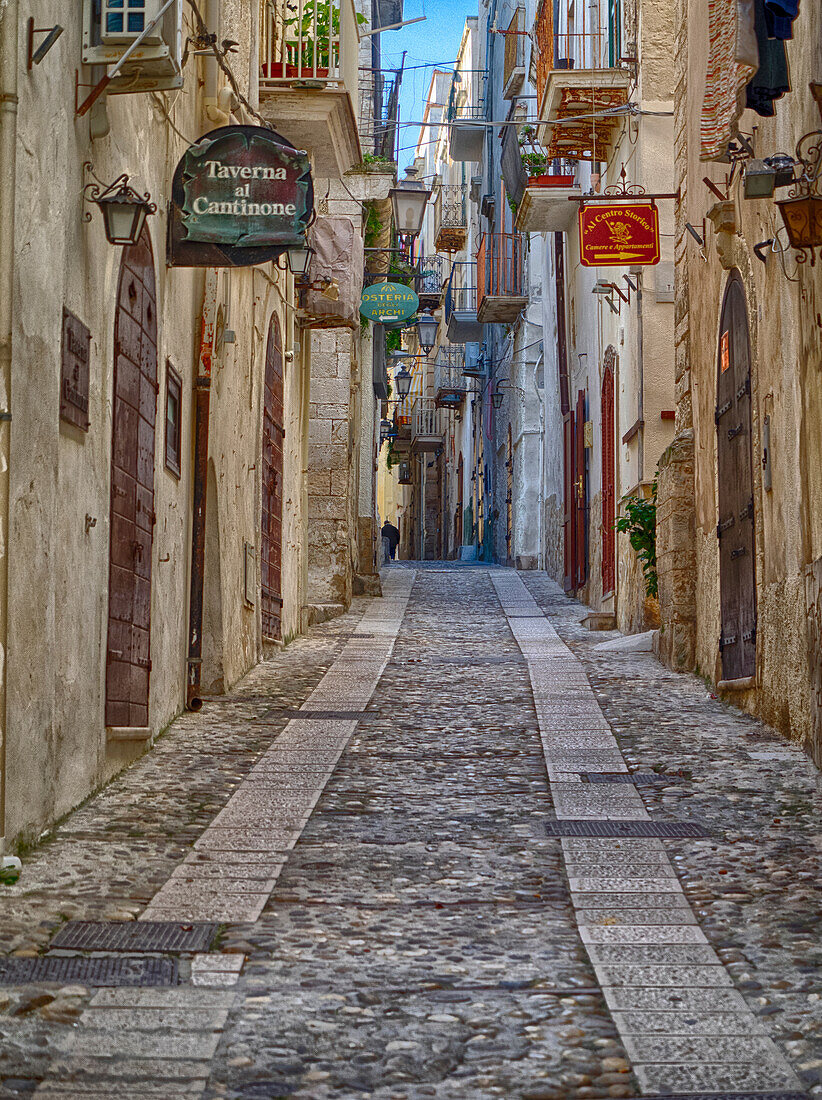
[[110, 27]]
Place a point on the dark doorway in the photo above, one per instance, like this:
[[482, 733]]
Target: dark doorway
[[272, 514], [608, 478], [735, 529], [128, 651]]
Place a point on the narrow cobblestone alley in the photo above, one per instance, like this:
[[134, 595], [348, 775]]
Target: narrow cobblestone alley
[[370, 831]]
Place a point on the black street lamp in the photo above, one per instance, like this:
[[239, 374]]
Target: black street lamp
[[427, 328], [408, 201], [403, 379]]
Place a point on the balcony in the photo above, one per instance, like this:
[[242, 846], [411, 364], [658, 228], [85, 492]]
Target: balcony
[[466, 114], [500, 292], [450, 383], [513, 70], [429, 280], [309, 70], [461, 320], [427, 427], [451, 217], [546, 205], [579, 75]]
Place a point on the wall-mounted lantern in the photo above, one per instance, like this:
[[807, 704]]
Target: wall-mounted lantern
[[124, 210], [496, 399], [802, 210], [299, 261]]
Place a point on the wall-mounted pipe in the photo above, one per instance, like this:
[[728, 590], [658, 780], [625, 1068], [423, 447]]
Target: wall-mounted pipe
[[8, 146]]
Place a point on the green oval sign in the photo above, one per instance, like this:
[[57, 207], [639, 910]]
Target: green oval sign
[[387, 302]]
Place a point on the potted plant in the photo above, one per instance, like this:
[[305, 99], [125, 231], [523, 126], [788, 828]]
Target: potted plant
[[537, 165], [312, 43]]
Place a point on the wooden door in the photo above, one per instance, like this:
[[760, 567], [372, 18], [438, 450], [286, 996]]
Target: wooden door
[[458, 518], [271, 542], [608, 484], [128, 649], [581, 493], [569, 524], [735, 529], [509, 498]]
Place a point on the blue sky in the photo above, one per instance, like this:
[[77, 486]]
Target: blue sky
[[432, 44]]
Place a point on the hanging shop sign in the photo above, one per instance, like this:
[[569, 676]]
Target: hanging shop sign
[[618, 235], [241, 195], [388, 303]]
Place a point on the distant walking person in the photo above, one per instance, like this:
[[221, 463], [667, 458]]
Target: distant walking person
[[392, 536]]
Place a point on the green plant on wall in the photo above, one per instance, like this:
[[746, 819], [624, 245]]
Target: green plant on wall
[[639, 524], [393, 340], [373, 227]]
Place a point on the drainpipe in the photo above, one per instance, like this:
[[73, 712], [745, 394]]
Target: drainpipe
[[214, 105], [541, 493], [8, 145], [202, 402], [641, 402]]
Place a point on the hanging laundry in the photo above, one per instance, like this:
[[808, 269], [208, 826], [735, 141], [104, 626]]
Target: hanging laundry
[[731, 63], [772, 78], [779, 17]]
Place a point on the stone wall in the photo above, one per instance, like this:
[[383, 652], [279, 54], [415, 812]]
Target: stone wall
[[329, 468]]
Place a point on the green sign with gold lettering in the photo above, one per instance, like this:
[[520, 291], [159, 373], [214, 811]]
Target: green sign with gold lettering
[[388, 302]]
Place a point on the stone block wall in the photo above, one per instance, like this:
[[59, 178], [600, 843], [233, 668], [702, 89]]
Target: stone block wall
[[329, 468]]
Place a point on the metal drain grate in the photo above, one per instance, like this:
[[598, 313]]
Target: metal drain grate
[[96, 972], [322, 715], [730, 1096], [624, 828], [639, 779], [134, 935]]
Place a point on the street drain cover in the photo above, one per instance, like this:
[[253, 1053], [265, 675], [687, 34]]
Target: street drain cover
[[134, 935], [68, 969], [624, 828], [731, 1096], [323, 715], [639, 779]]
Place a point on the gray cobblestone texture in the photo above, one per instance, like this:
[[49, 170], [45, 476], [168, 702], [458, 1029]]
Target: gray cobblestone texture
[[419, 934]]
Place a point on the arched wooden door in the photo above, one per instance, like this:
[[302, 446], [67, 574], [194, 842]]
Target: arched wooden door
[[608, 479], [272, 515], [735, 529], [128, 652]]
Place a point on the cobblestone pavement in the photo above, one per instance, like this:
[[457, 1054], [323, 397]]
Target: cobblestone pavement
[[396, 920]]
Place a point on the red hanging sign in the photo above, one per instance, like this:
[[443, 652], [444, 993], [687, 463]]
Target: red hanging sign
[[621, 235]]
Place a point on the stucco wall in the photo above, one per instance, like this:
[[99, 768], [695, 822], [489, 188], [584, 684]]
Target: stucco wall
[[57, 742]]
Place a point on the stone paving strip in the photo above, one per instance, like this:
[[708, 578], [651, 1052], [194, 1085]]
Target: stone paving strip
[[683, 1024], [265, 816], [143, 1043]]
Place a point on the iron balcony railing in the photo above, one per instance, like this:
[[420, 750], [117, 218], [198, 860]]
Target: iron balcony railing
[[499, 266], [425, 276], [310, 40], [426, 420], [429, 277], [451, 207], [467, 96], [448, 371], [569, 35], [461, 295]]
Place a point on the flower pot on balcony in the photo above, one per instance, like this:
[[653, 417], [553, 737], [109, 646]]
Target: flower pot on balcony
[[550, 181]]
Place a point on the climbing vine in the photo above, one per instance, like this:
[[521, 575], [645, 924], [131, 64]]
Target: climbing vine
[[639, 524]]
